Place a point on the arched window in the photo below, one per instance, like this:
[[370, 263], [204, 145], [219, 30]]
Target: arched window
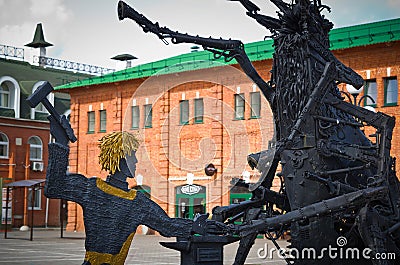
[[3, 145], [9, 97], [36, 148], [67, 114]]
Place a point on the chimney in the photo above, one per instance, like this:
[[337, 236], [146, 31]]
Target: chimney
[[125, 57]]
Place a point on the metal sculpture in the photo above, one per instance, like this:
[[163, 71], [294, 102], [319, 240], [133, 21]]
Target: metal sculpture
[[337, 182], [112, 212]]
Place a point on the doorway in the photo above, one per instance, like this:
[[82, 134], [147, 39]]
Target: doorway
[[190, 200]]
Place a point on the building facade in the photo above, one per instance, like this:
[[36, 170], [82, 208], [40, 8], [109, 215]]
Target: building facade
[[193, 110], [24, 136]]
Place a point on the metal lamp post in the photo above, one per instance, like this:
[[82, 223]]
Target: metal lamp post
[[352, 95]]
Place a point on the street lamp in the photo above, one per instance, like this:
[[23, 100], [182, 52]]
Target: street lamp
[[352, 94]]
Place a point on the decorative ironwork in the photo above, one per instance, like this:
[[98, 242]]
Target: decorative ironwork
[[10, 51], [74, 66]]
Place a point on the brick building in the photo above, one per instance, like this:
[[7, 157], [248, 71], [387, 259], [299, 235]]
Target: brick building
[[193, 110], [24, 135]]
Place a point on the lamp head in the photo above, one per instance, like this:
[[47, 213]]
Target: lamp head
[[354, 91]]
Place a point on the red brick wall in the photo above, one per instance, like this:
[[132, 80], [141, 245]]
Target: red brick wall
[[376, 60], [170, 150], [19, 169]]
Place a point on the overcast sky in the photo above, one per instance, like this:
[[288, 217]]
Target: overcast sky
[[88, 31]]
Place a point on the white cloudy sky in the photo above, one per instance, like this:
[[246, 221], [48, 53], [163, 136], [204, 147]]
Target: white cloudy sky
[[89, 31]]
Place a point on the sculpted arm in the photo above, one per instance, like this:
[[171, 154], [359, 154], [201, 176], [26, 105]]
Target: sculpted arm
[[59, 184], [153, 216]]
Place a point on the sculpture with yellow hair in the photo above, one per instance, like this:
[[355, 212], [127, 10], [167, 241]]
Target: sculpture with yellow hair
[[112, 212], [114, 147]]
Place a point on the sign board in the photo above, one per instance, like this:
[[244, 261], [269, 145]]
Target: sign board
[[190, 189], [3, 207]]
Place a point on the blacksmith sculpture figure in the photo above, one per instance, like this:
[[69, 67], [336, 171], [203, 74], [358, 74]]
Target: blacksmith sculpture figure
[[112, 212], [337, 183]]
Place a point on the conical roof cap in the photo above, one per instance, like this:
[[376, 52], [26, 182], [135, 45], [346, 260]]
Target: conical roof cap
[[38, 39], [124, 57]]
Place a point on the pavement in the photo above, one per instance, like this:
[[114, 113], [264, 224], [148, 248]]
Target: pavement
[[48, 248]]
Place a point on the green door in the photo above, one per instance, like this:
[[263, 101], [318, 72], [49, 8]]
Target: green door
[[239, 194], [190, 200]]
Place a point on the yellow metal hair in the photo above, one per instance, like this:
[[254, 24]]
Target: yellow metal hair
[[115, 146]]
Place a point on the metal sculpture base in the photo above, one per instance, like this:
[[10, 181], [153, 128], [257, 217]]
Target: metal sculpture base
[[201, 250]]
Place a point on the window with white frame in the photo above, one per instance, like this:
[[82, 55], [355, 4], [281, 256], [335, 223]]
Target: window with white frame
[[36, 148], [4, 96], [4, 143], [37, 203], [9, 97]]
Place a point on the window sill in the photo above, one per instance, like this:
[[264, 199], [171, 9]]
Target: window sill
[[390, 105], [90, 133], [148, 127], [134, 128], [239, 119], [198, 122], [102, 131], [255, 118]]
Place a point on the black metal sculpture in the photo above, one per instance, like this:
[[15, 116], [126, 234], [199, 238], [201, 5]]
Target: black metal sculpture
[[336, 181]]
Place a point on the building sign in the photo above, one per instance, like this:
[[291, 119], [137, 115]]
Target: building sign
[[3, 206], [190, 189]]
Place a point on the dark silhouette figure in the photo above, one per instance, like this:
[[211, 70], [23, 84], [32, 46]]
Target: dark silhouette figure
[[112, 212]]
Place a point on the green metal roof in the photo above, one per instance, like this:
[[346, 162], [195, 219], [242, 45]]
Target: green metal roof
[[365, 34], [341, 38], [23, 71]]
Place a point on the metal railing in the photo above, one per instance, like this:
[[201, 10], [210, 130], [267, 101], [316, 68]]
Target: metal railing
[[73, 66], [10, 51]]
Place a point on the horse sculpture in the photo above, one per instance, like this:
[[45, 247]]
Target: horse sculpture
[[337, 182]]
